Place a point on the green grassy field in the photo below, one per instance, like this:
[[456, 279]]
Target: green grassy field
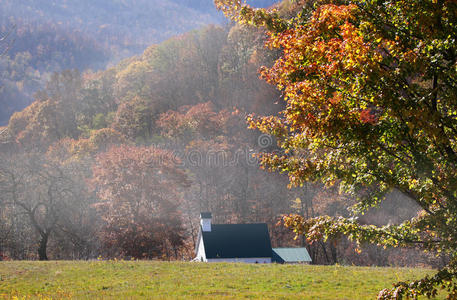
[[164, 280]]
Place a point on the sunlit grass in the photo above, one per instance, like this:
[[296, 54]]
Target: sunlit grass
[[164, 280]]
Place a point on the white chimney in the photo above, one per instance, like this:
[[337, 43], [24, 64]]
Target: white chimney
[[205, 221]]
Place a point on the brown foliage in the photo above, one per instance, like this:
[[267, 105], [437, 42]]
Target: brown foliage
[[140, 192]]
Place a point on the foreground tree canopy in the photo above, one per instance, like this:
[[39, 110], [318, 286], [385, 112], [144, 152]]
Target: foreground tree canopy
[[371, 104]]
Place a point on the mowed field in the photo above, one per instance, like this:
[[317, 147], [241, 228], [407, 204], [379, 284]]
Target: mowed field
[[186, 280]]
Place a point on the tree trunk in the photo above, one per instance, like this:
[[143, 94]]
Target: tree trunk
[[327, 259], [42, 249], [333, 251]]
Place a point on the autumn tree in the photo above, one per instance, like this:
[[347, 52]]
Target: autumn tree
[[370, 89], [135, 119], [189, 123], [97, 100], [139, 190], [52, 115]]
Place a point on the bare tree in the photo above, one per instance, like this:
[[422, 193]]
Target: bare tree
[[45, 192]]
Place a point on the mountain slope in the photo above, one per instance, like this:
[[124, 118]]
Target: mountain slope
[[135, 22], [53, 35]]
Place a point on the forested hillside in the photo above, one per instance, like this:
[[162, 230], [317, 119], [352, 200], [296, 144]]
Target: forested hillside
[[180, 104], [49, 36], [124, 27], [123, 24], [120, 162], [32, 51]]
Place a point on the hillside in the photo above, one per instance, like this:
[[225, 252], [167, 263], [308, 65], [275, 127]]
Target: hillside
[[128, 25], [35, 51], [51, 36], [178, 96], [164, 131], [182, 105], [165, 280]]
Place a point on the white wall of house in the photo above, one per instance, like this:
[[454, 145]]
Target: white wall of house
[[201, 255], [251, 260]]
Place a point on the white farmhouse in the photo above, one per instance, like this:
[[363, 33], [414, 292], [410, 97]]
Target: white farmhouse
[[248, 243]]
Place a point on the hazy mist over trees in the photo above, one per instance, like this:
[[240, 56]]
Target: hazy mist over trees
[[49, 36]]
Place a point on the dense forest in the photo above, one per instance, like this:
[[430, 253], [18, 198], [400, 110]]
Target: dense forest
[[120, 162], [51, 36]]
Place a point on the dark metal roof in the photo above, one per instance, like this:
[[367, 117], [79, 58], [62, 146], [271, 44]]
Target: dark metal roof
[[237, 241], [290, 255], [205, 215]]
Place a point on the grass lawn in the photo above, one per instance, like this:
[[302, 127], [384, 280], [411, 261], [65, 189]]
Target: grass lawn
[[164, 280]]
